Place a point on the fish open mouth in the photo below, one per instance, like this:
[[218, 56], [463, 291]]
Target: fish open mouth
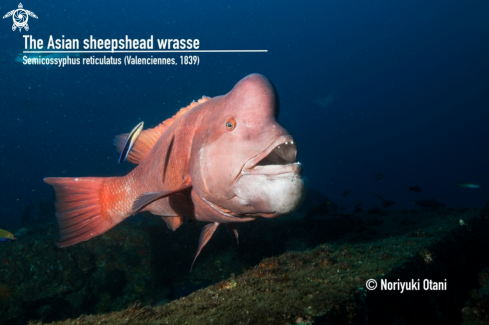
[[279, 158]]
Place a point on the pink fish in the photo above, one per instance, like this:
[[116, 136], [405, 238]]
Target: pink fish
[[222, 160]]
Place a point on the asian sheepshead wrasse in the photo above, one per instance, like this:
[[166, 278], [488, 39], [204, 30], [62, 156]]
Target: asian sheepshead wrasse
[[221, 160]]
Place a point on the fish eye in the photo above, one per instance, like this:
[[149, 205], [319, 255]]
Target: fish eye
[[230, 124]]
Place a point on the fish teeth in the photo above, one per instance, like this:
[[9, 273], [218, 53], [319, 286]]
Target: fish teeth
[[286, 143]]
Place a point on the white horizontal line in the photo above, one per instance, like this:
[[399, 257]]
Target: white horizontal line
[[160, 51]]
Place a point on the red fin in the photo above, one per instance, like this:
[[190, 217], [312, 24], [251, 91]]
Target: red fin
[[149, 137], [173, 222], [79, 209], [146, 198], [205, 235]]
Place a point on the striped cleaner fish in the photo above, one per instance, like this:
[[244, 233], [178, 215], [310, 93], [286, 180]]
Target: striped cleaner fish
[[221, 160], [130, 141]]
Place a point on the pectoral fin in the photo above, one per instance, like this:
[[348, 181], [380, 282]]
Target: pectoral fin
[[205, 235], [146, 198]]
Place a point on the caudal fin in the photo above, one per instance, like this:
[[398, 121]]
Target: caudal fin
[[81, 208]]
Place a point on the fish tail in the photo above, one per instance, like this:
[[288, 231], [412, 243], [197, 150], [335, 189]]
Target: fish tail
[[87, 206]]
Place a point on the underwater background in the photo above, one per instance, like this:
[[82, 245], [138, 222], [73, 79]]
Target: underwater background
[[366, 88], [379, 96]]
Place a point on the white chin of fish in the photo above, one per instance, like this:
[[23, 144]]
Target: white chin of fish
[[282, 193]]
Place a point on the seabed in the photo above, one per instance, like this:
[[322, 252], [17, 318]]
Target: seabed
[[284, 271]]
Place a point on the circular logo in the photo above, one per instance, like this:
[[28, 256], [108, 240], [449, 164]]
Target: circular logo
[[371, 284], [20, 17]]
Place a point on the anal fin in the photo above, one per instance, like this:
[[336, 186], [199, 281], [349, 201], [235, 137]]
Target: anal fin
[[173, 222]]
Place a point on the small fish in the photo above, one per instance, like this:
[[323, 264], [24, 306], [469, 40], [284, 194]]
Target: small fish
[[385, 203], [358, 206], [345, 193], [130, 141], [378, 177], [468, 185], [6, 236], [326, 101], [429, 203], [315, 211], [415, 188]]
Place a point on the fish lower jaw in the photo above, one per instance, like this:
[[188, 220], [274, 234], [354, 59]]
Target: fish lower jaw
[[270, 196], [295, 167]]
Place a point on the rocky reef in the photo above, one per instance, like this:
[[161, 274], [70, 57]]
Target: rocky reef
[[284, 271]]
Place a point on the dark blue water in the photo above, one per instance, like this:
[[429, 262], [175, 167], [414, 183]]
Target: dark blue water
[[398, 88]]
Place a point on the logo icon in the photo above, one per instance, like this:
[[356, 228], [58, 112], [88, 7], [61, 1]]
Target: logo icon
[[20, 17]]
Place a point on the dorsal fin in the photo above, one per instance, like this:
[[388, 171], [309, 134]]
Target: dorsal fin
[[149, 137]]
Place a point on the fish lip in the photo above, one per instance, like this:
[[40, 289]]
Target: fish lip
[[275, 170], [251, 168]]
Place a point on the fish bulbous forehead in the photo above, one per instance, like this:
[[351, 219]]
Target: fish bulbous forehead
[[256, 98]]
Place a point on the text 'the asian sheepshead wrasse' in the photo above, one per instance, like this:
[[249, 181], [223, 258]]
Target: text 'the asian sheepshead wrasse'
[[221, 160]]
